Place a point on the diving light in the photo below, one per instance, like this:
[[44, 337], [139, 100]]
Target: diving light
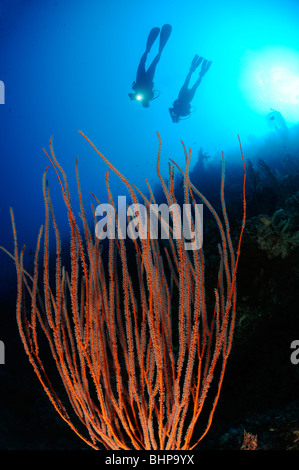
[[139, 97]]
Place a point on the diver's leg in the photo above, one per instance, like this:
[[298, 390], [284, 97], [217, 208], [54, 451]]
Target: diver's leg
[[184, 88], [194, 64], [153, 34], [141, 68], [152, 68], [204, 68], [194, 88], [164, 36]]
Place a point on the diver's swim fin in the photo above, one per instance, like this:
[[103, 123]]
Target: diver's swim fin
[[195, 62], [153, 34], [205, 67], [164, 36]]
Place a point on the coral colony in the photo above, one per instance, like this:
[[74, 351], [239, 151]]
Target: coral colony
[[136, 342]]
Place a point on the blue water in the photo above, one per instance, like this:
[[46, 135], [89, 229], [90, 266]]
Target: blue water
[[69, 65]]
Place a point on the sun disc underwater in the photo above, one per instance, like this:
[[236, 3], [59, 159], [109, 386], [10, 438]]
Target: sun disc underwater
[[270, 80]]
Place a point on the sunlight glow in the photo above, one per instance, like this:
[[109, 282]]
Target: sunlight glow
[[270, 79]]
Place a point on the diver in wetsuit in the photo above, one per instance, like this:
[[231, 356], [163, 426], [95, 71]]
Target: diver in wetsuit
[[144, 83], [181, 106]]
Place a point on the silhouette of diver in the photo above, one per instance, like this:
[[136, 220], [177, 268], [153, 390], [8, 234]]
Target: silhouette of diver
[[181, 106], [144, 83]]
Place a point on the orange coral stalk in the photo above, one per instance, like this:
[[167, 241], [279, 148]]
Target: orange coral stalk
[[136, 358]]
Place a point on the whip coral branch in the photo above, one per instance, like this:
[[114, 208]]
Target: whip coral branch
[[133, 338]]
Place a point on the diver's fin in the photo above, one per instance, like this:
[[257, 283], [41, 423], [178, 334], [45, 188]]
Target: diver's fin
[[164, 36], [153, 34], [195, 62], [205, 67]]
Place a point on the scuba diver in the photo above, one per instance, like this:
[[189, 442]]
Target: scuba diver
[[144, 84], [181, 106]]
